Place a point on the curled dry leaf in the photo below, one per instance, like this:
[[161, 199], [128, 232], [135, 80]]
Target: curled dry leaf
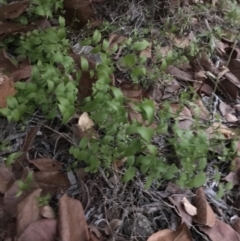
[[28, 211], [47, 212], [41, 230], [205, 214], [72, 223], [84, 122], [181, 234], [189, 208], [177, 201]]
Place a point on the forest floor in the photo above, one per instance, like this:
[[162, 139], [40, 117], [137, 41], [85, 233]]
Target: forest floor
[[178, 61]]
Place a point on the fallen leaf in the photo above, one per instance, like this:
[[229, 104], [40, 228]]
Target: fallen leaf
[[235, 223], [147, 52], [177, 201], [78, 13], [6, 63], [179, 74], [115, 39], [13, 10], [181, 234], [28, 211], [220, 231], [45, 164], [233, 177], [72, 223], [220, 128], [47, 212], [84, 122], [6, 90], [205, 214], [41, 230], [189, 208], [52, 181], [6, 178], [11, 200], [23, 71], [181, 42]]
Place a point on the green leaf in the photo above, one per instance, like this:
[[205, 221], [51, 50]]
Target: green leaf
[[12, 102], [163, 65], [105, 45], [146, 133], [15, 114], [129, 174], [61, 21], [96, 36], [139, 46], [170, 174], [84, 63], [198, 180], [129, 60], [138, 71], [117, 93], [133, 148], [12, 158], [148, 109], [63, 101]]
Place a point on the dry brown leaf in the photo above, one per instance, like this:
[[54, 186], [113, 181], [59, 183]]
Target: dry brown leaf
[[115, 39], [189, 208], [231, 177], [133, 91], [225, 109], [47, 212], [45, 164], [23, 71], [179, 74], [199, 110], [205, 214], [6, 178], [181, 234], [235, 223], [177, 201], [72, 223], [220, 128], [41, 230], [6, 89], [53, 181], [231, 118], [78, 10], [11, 200], [28, 211], [84, 122], [181, 43], [147, 52], [180, 112], [13, 10], [220, 231]]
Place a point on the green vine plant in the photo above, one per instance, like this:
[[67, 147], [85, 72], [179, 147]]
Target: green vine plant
[[53, 91]]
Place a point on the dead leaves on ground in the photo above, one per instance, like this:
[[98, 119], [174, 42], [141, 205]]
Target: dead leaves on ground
[[197, 213]]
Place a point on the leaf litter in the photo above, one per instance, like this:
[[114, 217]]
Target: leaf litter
[[100, 212]]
